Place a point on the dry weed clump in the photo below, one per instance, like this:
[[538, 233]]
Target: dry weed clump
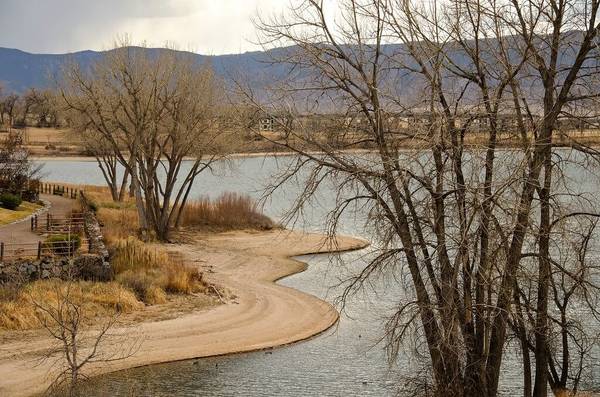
[[229, 211], [151, 272], [17, 311], [118, 223]]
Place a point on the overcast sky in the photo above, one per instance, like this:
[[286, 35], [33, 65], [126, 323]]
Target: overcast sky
[[209, 27]]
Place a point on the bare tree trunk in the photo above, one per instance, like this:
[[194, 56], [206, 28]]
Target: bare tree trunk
[[541, 325], [139, 200], [124, 184]]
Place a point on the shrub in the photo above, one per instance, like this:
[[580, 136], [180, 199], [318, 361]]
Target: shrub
[[10, 201], [229, 211], [30, 195], [144, 285], [151, 272], [63, 244], [92, 205]]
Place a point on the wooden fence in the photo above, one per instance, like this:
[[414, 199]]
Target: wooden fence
[[50, 224], [58, 190], [43, 249]]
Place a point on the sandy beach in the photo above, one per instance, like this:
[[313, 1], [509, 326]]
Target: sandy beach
[[261, 315]]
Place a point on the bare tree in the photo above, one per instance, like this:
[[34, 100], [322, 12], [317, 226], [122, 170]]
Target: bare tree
[[8, 107], [109, 162], [156, 110], [43, 107], [16, 168], [78, 345], [27, 101], [451, 218]]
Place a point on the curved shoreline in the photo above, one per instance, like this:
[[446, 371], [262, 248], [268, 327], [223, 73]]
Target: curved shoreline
[[263, 315]]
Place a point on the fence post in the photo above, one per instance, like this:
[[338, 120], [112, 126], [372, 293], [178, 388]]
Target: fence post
[[2, 251], [89, 245], [36, 222], [39, 253], [48, 221], [32, 222]]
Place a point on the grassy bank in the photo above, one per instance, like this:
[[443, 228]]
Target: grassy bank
[[23, 211], [145, 274]]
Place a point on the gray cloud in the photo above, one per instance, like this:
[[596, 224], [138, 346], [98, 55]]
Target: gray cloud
[[56, 26]]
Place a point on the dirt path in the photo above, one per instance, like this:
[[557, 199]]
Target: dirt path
[[262, 315], [21, 233]]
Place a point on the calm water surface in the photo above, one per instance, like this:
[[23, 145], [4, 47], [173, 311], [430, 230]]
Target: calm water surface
[[346, 360]]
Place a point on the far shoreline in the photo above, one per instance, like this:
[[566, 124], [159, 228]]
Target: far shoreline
[[242, 155]]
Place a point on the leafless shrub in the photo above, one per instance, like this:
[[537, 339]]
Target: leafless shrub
[[78, 345]]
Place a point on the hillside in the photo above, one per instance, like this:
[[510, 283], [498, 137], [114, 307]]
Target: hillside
[[21, 70]]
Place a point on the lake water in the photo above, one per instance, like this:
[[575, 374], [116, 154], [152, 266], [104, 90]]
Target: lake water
[[347, 360]]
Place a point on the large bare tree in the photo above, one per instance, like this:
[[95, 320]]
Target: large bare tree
[[459, 218], [158, 112]]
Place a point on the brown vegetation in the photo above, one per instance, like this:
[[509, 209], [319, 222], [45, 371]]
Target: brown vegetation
[[144, 274], [18, 312], [228, 211], [152, 273]]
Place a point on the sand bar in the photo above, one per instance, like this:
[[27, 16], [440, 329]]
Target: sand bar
[[263, 314]]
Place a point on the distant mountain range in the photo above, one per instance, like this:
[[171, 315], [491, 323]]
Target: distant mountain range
[[21, 70]]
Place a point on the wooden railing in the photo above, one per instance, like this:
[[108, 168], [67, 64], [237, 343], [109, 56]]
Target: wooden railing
[[48, 225], [57, 225], [58, 190], [43, 249]]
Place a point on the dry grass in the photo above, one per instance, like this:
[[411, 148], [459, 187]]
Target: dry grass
[[145, 274], [24, 210], [569, 393], [44, 136], [152, 273], [147, 270], [229, 211], [17, 312], [118, 223]]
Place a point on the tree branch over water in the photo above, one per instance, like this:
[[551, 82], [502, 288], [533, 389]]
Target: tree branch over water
[[453, 220]]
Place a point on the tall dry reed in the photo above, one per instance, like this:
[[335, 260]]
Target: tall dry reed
[[228, 211]]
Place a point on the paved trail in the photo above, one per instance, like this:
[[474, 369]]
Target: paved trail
[[20, 233]]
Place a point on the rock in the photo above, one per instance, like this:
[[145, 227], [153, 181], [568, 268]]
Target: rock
[[56, 271], [93, 268]]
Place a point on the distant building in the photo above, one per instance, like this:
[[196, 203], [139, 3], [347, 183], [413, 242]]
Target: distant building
[[266, 124]]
